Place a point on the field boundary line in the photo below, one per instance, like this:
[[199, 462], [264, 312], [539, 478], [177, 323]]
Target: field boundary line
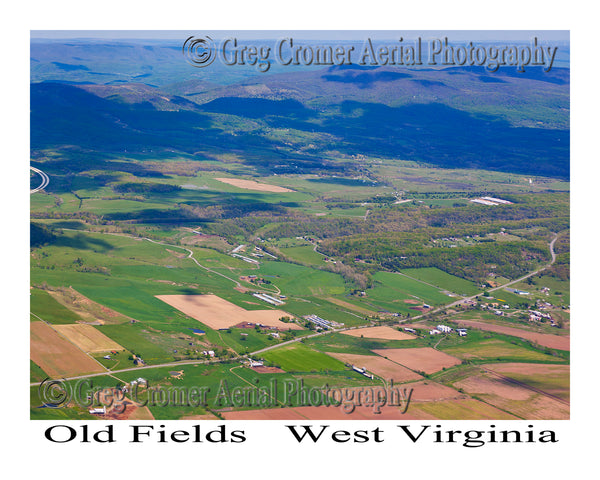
[[525, 385], [68, 340]]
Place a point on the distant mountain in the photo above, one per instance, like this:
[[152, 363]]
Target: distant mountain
[[459, 117], [533, 98]]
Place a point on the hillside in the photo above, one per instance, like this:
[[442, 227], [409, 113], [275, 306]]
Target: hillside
[[297, 122]]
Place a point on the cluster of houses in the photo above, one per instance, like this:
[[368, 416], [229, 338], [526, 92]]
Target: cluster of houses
[[537, 316], [462, 332], [124, 388], [494, 308]]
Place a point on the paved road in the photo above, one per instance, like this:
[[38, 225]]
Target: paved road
[[196, 362], [467, 299], [45, 180]]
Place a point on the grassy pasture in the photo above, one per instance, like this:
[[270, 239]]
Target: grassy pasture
[[298, 280], [444, 280], [36, 374], [498, 350], [304, 254], [340, 343], [47, 308], [298, 357], [409, 287]]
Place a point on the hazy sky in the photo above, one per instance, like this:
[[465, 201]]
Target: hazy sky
[[456, 35]]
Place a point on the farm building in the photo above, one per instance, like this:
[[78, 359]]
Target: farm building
[[483, 202], [268, 298], [362, 371], [497, 200], [238, 249], [246, 259]]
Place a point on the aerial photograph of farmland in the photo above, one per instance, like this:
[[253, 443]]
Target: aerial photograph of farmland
[[299, 225]]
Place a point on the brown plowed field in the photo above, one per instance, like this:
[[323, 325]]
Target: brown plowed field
[[321, 413], [88, 338], [423, 359], [263, 369], [350, 306], [513, 397], [462, 409], [56, 356], [385, 333], [428, 391], [207, 416], [379, 366], [544, 339], [552, 379], [216, 312]]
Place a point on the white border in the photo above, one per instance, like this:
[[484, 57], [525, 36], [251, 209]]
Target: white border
[[276, 457]]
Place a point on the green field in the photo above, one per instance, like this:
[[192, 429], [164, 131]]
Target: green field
[[495, 349], [391, 290], [45, 307], [340, 343], [36, 374], [297, 280], [304, 254], [301, 358], [444, 280]]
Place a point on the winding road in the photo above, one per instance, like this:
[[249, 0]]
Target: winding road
[[472, 297], [278, 345]]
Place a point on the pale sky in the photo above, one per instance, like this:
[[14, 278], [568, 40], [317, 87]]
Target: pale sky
[[456, 35]]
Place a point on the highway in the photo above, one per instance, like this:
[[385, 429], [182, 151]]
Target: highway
[[45, 180]]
